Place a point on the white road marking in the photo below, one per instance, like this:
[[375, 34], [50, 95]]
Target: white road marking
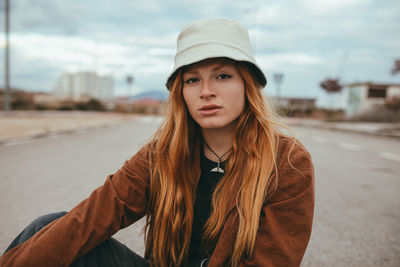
[[18, 142], [53, 136], [349, 146], [81, 131], [150, 119], [388, 155], [319, 139]]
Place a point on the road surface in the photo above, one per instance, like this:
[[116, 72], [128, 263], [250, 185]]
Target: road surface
[[357, 187]]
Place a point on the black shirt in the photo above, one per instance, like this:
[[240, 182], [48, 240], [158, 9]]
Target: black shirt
[[202, 205]]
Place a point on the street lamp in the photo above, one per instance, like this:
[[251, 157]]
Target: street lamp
[[129, 81], [278, 77]]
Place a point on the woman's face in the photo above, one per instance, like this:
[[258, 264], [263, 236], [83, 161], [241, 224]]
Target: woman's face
[[214, 93]]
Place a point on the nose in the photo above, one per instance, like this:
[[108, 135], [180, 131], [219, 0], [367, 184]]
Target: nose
[[207, 90]]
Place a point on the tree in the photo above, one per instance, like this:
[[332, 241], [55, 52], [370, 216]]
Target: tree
[[331, 86], [396, 67]]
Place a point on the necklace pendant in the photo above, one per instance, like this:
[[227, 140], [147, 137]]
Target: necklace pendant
[[217, 169]]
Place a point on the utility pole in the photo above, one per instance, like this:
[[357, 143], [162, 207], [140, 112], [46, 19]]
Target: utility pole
[[7, 58], [278, 77], [129, 81]]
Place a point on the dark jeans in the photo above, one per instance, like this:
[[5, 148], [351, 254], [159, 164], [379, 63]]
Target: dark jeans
[[108, 254]]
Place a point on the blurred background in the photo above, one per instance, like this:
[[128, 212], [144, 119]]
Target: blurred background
[[82, 88], [121, 51]]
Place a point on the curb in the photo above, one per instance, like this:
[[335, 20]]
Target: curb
[[53, 133], [63, 131], [325, 125], [67, 123]]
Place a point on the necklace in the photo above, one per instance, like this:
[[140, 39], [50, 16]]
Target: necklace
[[217, 169]]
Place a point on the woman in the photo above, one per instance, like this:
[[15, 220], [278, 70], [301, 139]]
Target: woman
[[219, 184]]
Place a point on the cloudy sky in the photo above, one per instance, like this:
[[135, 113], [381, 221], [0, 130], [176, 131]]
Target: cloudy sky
[[306, 40]]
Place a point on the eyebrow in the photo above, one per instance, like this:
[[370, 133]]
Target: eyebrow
[[219, 66]]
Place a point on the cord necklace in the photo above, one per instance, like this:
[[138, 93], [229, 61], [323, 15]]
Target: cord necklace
[[217, 169]]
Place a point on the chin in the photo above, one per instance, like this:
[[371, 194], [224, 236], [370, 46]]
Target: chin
[[214, 124], [208, 125]]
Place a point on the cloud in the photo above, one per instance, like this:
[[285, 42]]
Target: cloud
[[305, 39], [329, 6], [282, 60]]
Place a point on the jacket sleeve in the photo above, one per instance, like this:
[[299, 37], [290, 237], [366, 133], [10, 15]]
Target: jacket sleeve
[[286, 219], [119, 202]]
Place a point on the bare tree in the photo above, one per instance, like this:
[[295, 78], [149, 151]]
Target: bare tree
[[396, 67], [331, 86]]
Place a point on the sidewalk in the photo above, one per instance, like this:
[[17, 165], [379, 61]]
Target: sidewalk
[[372, 128], [34, 124]]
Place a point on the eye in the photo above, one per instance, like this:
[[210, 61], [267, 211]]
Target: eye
[[224, 76], [191, 80]]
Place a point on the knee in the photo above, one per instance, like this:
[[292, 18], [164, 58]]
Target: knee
[[44, 220], [35, 227]]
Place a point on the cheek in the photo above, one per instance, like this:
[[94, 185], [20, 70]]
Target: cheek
[[240, 106], [240, 98], [187, 98]]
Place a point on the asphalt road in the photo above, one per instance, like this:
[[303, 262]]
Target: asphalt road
[[357, 187]]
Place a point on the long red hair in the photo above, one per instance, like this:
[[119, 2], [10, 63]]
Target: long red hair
[[172, 190]]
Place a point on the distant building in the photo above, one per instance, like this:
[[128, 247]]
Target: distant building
[[362, 97], [294, 103], [84, 85]]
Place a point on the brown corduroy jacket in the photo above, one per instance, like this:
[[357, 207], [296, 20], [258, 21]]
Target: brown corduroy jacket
[[283, 235]]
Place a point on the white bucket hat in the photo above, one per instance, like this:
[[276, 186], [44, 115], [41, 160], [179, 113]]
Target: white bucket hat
[[212, 38]]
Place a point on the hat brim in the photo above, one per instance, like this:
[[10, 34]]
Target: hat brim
[[204, 51]]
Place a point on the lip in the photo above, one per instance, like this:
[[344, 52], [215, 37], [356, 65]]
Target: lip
[[209, 109]]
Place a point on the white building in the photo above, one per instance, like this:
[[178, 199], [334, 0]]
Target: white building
[[84, 85], [363, 97]]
